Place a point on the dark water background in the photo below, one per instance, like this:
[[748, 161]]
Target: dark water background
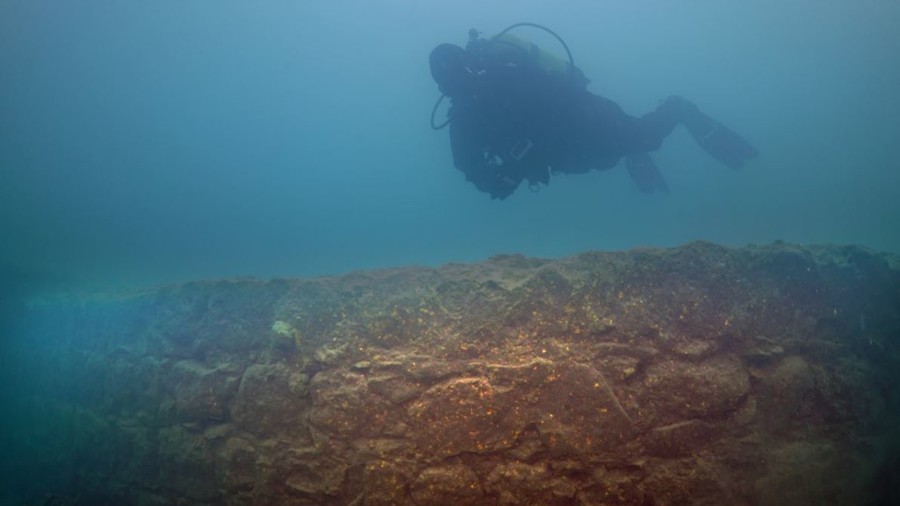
[[147, 142]]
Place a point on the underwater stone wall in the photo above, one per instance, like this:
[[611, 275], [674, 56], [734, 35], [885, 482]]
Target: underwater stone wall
[[698, 375]]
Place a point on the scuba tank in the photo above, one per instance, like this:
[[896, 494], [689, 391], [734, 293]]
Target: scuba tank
[[551, 63], [505, 43]]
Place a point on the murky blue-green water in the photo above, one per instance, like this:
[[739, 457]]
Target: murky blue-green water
[[155, 142]]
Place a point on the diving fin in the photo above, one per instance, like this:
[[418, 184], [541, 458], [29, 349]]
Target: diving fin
[[719, 141], [645, 174]]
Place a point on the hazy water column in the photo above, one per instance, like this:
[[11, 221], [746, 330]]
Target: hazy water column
[[142, 142]]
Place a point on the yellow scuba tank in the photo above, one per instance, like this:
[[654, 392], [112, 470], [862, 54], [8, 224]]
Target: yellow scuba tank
[[551, 63], [505, 43]]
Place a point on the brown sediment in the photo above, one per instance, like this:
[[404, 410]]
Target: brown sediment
[[692, 375]]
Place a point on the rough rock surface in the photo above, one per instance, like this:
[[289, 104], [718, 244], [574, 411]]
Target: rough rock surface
[[697, 375]]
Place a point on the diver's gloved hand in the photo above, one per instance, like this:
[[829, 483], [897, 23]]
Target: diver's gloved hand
[[495, 182], [503, 186]]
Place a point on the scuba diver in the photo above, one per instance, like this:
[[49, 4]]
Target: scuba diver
[[518, 113]]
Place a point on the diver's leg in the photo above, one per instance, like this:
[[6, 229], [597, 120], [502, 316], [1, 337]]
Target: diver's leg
[[615, 134], [654, 127]]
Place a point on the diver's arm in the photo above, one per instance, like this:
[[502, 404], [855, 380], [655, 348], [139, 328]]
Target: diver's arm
[[469, 156]]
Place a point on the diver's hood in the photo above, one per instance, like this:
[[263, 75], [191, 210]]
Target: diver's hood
[[453, 69]]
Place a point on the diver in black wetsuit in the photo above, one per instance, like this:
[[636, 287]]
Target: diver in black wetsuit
[[513, 117]]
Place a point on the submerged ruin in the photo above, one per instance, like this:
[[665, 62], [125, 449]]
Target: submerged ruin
[[702, 375]]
